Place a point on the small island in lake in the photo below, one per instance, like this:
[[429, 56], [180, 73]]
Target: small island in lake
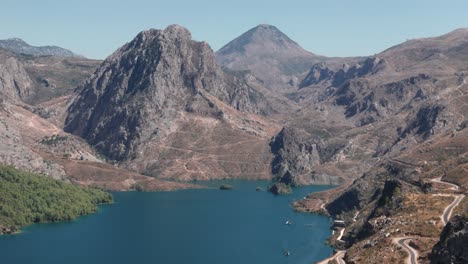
[[225, 187], [280, 188]]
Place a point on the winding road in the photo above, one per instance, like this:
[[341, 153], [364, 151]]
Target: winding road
[[355, 216], [445, 217], [404, 241], [449, 209], [412, 253], [338, 257], [340, 254], [439, 180], [341, 235]]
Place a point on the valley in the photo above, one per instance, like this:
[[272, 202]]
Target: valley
[[165, 111]]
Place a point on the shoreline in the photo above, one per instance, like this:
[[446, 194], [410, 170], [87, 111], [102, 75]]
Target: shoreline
[[21, 228], [214, 186]]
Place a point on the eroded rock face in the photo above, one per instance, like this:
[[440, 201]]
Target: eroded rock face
[[374, 189], [295, 153], [321, 72], [136, 92], [453, 243], [424, 121], [15, 83]]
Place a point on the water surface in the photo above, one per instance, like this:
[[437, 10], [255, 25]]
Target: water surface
[[189, 226]]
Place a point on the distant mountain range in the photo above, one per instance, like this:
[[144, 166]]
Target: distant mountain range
[[19, 46]]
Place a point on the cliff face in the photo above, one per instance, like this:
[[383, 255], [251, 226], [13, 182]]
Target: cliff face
[[15, 83], [453, 243], [139, 89], [323, 73], [296, 154], [163, 94]]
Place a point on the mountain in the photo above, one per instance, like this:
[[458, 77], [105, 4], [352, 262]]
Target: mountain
[[15, 83], [403, 116], [390, 129], [39, 79], [443, 54], [42, 84], [261, 40], [21, 47], [34, 93], [269, 54], [162, 106]]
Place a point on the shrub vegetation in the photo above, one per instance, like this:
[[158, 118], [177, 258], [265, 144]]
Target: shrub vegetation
[[27, 198]]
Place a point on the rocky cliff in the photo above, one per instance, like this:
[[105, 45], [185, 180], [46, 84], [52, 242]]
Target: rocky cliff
[[296, 154], [453, 243], [15, 83], [336, 75], [138, 95]]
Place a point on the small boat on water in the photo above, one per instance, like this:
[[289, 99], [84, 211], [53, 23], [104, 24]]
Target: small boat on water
[[288, 222], [287, 253]]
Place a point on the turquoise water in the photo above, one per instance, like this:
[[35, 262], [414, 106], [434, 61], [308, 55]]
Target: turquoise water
[[189, 226]]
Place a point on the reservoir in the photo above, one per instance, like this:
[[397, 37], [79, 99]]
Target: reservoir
[[203, 226]]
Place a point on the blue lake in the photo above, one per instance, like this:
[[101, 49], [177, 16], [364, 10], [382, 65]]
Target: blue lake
[[189, 226]]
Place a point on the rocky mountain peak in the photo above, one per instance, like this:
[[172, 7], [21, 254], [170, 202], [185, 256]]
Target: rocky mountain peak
[[146, 84], [264, 32], [270, 54], [178, 30], [268, 37], [170, 33], [15, 83]]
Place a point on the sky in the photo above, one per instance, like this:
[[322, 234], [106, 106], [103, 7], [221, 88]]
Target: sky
[[96, 28]]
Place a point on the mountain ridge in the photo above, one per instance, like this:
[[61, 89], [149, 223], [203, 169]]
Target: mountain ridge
[[20, 46]]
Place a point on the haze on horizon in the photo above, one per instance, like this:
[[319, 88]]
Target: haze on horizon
[[332, 28]]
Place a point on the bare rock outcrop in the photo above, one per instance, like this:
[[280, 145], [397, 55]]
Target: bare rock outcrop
[[137, 93], [15, 83], [321, 73], [453, 243], [296, 154]]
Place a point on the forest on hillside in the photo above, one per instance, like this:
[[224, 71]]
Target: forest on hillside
[[27, 198]]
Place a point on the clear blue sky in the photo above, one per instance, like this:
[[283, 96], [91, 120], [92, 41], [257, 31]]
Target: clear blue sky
[[95, 28]]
